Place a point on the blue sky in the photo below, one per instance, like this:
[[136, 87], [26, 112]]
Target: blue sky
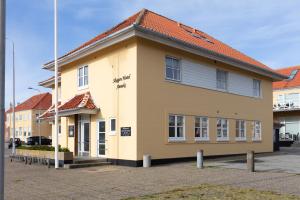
[[265, 30]]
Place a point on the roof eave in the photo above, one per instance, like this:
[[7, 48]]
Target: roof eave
[[114, 38]]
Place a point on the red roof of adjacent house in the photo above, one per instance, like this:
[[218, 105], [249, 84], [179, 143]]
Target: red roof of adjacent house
[[40, 102], [157, 23], [295, 82]]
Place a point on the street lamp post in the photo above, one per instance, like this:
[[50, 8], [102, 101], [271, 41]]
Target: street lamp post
[[14, 98], [39, 122]]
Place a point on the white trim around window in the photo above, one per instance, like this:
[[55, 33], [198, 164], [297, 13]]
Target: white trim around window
[[176, 130], [240, 130], [173, 69], [113, 127], [222, 129], [201, 129], [83, 77], [256, 134]]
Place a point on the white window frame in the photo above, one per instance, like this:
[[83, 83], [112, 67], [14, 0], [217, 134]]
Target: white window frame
[[20, 131], [176, 138], [110, 126], [29, 131], [239, 130], [222, 138], [173, 68], [218, 80], [254, 137], [201, 138], [84, 77], [257, 91]]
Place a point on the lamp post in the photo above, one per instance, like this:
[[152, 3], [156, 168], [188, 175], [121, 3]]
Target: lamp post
[[14, 98], [39, 122]]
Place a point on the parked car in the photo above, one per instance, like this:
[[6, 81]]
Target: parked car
[[34, 140], [17, 142]]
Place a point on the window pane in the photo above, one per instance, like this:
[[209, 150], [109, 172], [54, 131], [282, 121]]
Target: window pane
[[179, 120], [171, 120], [197, 122], [197, 132], [168, 62], [113, 125], [86, 82], [85, 70], [204, 132], [80, 72], [80, 83], [171, 131], [219, 134], [225, 133], [177, 75], [169, 73], [101, 126], [180, 132]]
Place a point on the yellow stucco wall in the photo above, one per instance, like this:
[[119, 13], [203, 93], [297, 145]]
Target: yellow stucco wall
[[29, 122], [157, 98]]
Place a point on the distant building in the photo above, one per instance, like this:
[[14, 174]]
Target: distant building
[[286, 102], [26, 115]]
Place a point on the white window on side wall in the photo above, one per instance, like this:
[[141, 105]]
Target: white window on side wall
[[201, 128], [222, 129], [173, 69], [256, 88], [256, 130], [222, 79], [176, 127], [113, 124], [240, 130], [83, 76], [29, 131]]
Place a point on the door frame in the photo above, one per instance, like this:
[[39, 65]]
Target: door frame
[[81, 121], [105, 140]]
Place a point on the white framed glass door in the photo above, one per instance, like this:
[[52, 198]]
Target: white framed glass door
[[84, 138], [101, 133]]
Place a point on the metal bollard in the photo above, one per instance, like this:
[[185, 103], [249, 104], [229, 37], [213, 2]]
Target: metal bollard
[[25, 160], [48, 163], [30, 160], [146, 161], [250, 161], [200, 159]]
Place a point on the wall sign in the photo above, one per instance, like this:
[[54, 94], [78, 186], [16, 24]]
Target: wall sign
[[121, 81], [71, 131], [125, 131]]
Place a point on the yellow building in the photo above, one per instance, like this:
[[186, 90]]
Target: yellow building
[[26, 122], [286, 103], [151, 85]]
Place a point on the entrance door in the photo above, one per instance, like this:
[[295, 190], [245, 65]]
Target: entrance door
[[84, 138], [101, 138]]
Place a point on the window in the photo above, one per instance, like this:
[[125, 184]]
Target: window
[[29, 131], [83, 76], [173, 71], [222, 129], [256, 130], [201, 128], [240, 130], [222, 79], [59, 129], [20, 131], [293, 74], [112, 125], [176, 127], [256, 88], [17, 133], [25, 131], [20, 117]]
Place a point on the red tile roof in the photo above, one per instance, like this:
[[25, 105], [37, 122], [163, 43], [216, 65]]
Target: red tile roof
[[295, 82], [165, 26], [79, 101], [41, 102]]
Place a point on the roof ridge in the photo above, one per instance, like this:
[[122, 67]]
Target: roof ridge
[[140, 17]]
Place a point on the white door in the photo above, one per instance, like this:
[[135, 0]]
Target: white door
[[84, 138], [101, 138]]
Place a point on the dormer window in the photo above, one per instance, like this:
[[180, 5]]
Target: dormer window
[[83, 77], [293, 74]]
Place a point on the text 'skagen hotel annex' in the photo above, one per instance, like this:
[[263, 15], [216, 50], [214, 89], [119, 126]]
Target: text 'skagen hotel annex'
[[151, 85]]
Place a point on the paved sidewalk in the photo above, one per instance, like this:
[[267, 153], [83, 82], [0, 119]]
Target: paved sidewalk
[[113, 182]]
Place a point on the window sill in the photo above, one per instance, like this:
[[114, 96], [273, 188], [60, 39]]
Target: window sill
[[241, 139], [172, 80], [256, 139], [222, 139], [113, 133], [176, 140], [202, 139], [83, 87]]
